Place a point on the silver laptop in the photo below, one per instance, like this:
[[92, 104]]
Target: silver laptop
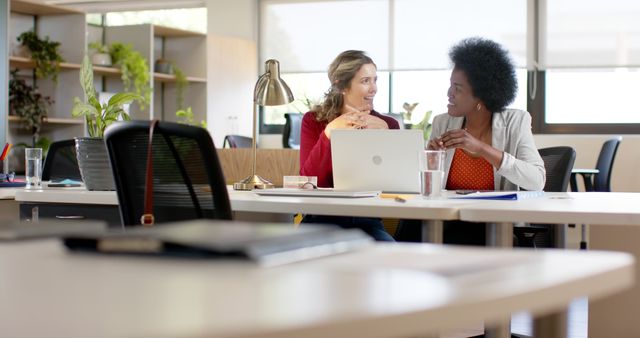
[[386, 160]]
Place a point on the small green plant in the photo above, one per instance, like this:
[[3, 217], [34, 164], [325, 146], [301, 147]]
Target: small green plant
[[185, 116], [98, 47], [26, 102], [99, 116], [134, 68], [181, 85], [424, 125], [44, 53]]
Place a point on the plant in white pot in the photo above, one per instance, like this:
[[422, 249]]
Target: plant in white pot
[[92, 154]]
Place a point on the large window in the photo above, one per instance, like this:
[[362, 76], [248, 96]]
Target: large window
[[591, 61], [583, 56], [408, 39]]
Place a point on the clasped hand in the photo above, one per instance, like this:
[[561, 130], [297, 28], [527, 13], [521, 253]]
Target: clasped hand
[[354, 118], [456, 138]]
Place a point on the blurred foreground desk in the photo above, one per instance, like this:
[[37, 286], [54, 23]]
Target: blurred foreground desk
[[614, 224], [390, 290]]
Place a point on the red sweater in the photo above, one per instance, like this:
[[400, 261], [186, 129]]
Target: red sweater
[[315, 148]]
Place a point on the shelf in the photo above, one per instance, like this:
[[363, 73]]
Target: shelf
[[26, 63], [52, 120], [161, 77], [35, 8], [169, 32]]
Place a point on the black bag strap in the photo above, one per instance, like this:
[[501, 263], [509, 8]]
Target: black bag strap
[[147, 218]]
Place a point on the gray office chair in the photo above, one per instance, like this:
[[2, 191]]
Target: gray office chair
[[61, 162], [558, 163], [291, 131], [237, 141]]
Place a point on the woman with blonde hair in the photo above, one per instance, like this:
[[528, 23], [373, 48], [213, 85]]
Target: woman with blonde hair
[[348, 104]]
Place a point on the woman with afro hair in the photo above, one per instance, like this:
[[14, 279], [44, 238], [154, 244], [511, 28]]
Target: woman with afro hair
[[488, 146]]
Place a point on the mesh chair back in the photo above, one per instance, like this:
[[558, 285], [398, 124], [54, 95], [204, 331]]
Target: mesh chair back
[[558, 163], [237, 141], [602, 181], [187, 179], [291, 131], [61, 162]]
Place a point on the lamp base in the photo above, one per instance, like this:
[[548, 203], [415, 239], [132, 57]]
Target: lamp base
[[253, 182]]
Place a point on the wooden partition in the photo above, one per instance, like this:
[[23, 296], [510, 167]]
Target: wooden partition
[[272, 164]]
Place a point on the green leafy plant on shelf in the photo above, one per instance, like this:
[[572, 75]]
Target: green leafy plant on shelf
[[181, 85], [185, 116], [134, 68], [44, 53], [99, 116], [26, 102]]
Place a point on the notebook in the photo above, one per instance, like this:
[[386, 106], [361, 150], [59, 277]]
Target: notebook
[[266, 244], [500, 195], [371, 159]]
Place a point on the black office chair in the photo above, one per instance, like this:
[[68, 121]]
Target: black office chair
[[188, 182], [237, 141], [61, 162], [600, 181], [291, 131], [558, 163]]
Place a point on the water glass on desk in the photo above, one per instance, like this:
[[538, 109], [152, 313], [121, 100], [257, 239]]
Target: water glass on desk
[[33, 167], [431, 173]]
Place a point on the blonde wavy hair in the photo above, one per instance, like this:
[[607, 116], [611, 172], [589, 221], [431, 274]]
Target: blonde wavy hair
[[341, 71]]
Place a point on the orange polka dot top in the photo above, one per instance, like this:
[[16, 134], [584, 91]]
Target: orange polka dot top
[[469, 173]]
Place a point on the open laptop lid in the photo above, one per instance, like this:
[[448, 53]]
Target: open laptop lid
[[372, 159]]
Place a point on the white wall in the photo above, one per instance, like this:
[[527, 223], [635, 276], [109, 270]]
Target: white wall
[[231, 66], [626, 168]]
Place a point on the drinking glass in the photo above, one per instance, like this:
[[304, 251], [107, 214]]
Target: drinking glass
[[431, 173], [33, 167]]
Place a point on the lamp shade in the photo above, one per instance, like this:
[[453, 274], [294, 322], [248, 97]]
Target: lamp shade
[[270, 89]]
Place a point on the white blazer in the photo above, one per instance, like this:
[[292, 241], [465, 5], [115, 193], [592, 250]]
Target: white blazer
[[522, 166]]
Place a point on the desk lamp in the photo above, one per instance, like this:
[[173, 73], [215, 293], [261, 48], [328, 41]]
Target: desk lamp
[[270, 90]]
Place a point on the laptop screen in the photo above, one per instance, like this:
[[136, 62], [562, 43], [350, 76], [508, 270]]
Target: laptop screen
[[377, 159]]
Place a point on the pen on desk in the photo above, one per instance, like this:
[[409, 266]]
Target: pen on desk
[[399, 199]]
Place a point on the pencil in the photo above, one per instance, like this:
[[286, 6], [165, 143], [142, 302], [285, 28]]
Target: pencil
[[5, 151]]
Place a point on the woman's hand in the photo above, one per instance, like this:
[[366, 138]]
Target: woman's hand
[[374, 122], [350, 120], [460, 138], [436, 144]]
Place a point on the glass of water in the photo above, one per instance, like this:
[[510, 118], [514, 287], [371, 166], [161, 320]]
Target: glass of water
[[431, 173], [33, 167]]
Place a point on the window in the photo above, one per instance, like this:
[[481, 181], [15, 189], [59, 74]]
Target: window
[[591, 64], [586, 53], [192, 19], [408, 40]]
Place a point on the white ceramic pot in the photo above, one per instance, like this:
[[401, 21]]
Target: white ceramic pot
[[101, 59]]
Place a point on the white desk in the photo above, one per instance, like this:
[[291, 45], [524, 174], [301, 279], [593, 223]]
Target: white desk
[[8, 206], [388, 290], [614, 224]]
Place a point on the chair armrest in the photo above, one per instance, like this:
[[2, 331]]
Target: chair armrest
[[587, 178]]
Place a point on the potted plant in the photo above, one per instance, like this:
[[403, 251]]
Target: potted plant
[[135, 70], [92, 154], [101, 56], [26, 102], [185, 116], [44, 53]]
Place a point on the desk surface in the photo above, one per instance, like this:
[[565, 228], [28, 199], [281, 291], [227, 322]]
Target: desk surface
[[585, 208], [384, 291], [581, 208]]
